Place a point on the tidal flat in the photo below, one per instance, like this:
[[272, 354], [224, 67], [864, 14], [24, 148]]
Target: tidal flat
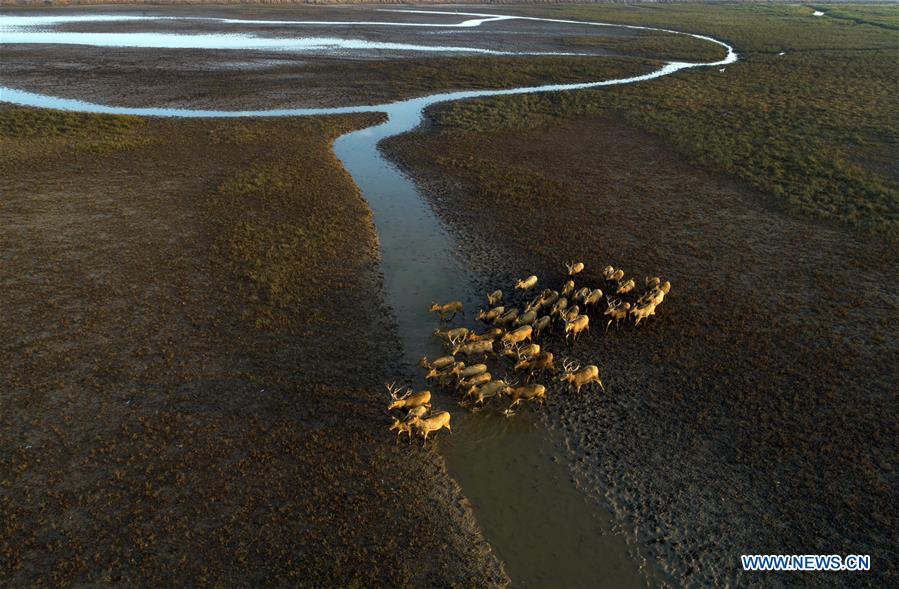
[[199, 330]]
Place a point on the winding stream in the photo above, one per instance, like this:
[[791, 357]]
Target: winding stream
[[542, 527]]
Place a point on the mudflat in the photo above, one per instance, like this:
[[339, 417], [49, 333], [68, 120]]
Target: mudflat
[[757, 411], [193, 366]]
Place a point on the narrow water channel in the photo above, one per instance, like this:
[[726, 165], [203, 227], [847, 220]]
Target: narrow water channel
[[538, 522]]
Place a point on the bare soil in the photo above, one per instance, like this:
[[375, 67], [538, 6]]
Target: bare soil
[[192, 368], [757, 413]]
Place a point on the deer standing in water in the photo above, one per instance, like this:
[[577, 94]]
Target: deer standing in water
[[432, 423], [450, 309]]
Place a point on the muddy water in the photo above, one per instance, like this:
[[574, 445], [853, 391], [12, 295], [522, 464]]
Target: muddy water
[[530, 510], [528, 507]]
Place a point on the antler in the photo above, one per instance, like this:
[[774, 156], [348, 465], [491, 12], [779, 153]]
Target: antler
[[567, 364], [391, 388]]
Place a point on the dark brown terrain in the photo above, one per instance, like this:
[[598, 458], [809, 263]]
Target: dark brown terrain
[[757, 413], [193, 364]]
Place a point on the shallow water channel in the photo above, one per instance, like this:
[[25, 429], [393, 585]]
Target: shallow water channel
[[538, 522], [544, 529]]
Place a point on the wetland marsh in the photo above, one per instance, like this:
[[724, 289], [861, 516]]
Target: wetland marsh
[[432, 243]]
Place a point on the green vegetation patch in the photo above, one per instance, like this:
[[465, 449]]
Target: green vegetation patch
[[288, 227], [82, 131], [654, 45], [816, 127]]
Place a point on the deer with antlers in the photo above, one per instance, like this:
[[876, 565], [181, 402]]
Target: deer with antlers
[[474, 381], [445, 372], [616, 312], [407, 400], [581, 294], [538, 363], [548, 298], [577, 377], [451, 334], [450, 309]]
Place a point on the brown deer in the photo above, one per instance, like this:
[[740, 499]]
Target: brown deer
[[451, 334], [481, 348], [574, 327], [401, 426], [485, 391], [432, 423], [494, 297], [525, 319], [408, 400], [517, 336], [528, 392], [616, 312], [450, 309], [494, 333], [578, 377], [526, 283], [574, 268], [626, 286], [490, 315], [593, 298], [541, 324], [437, 363]]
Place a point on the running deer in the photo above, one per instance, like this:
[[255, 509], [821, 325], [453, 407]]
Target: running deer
[[450, 309]]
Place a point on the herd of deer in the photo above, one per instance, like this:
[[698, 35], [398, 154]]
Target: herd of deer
[[511, 334]]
